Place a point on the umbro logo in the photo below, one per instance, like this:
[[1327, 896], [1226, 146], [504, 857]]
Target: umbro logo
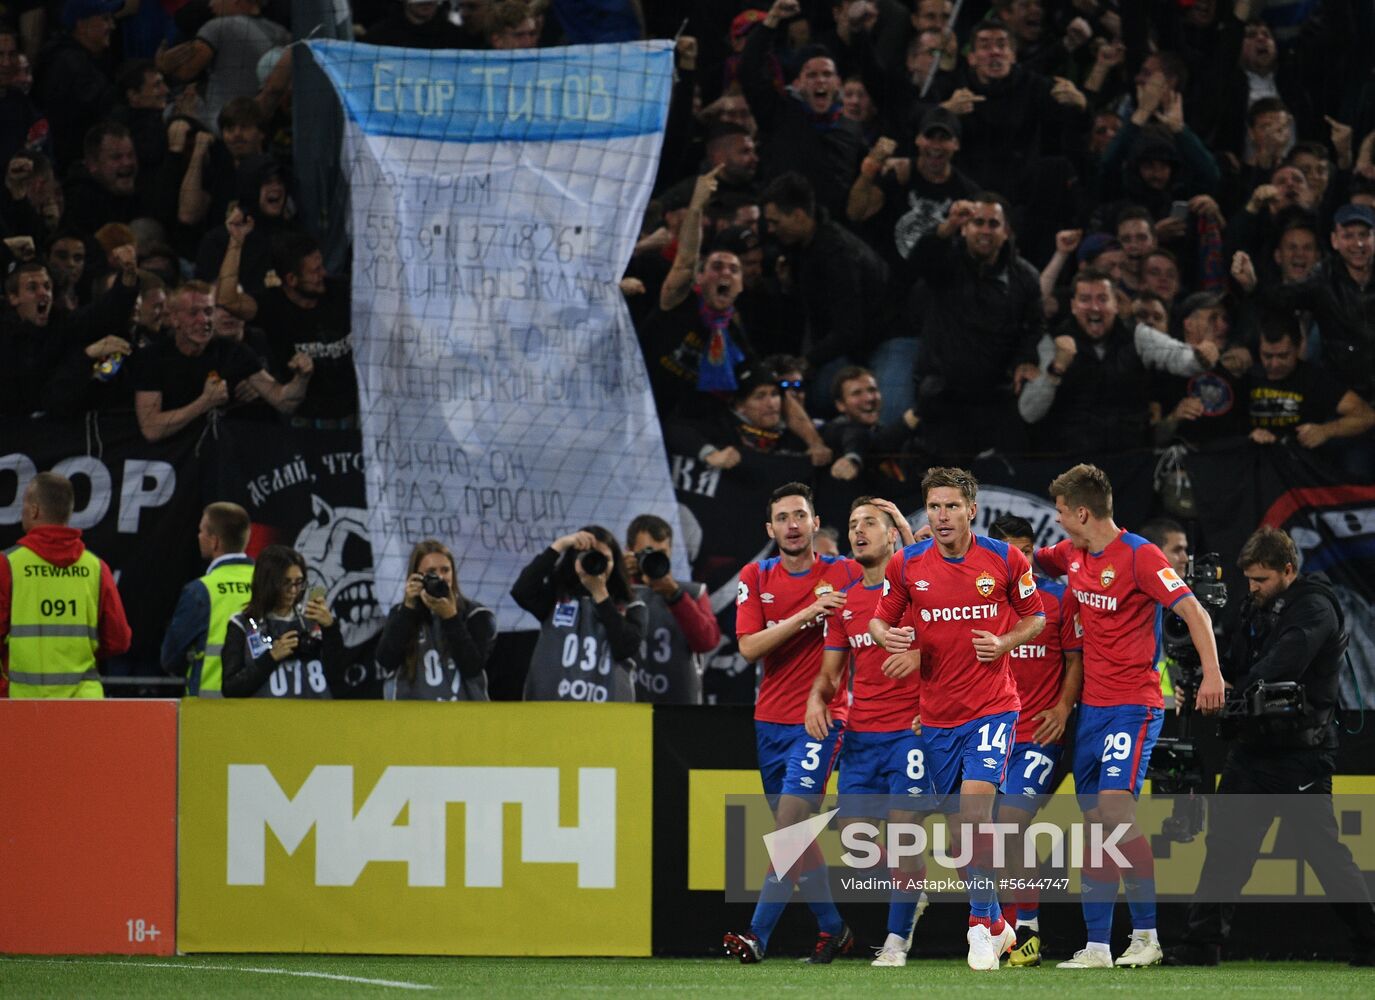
[[845, 615], [1029, 792], [766, 598], [990, 762], [914, 790], [921, 585], [1074, 566], [806, 782], [1114, 771]]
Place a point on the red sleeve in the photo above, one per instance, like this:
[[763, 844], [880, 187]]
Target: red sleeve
[[694, 616], [115, 635], [1054, 559], [837, 636], [1071, 631], [1156, 578], [1022, 594], [895, 597], [749, 612]]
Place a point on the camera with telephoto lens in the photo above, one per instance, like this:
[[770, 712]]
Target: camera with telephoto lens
[[593, 563], [654, 565], [435, 586]]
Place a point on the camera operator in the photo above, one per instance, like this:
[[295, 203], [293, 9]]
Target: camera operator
[[1291, 630], [591, 626], [436, 643], [681, 625]]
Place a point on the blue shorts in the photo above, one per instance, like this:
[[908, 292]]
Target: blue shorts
[[1112, 747], [1029, 771], [881, 765], [975, 751], [791, 762]]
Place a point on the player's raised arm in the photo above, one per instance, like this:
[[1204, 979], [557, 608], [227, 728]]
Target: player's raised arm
[[1053, 560]]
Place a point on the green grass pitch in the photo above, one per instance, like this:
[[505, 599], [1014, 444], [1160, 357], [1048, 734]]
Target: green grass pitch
[[259, 976]]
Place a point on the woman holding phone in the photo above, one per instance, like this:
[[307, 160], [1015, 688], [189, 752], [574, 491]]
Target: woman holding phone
[[283, 644]]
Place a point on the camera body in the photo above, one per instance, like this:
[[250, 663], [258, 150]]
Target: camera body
[[1204, 579], [654, 565], [435, 585]]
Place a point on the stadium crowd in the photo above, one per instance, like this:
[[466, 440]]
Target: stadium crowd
[[885, 235]]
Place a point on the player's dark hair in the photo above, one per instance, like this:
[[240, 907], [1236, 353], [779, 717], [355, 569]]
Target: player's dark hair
[[648, 524], [229, 523], [959, 479], [1084, 486], [1269, 547], [1011, 526], [566, 582], [269, 579], [865, 501], [791, 490], [1157, 529]]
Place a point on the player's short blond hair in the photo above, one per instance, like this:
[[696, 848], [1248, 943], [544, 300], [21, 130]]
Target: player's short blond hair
[[1084, 486], [958, 479]]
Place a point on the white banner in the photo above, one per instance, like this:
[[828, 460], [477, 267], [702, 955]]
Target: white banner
[[496, 201]]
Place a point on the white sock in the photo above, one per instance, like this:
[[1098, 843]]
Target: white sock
[[1099, 947], [1033, 924], [895, 942], [1146, 934]]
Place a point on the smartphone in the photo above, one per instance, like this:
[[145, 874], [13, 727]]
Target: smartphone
[[317, 593], [1179, 210]]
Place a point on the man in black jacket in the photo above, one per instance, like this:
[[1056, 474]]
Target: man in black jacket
[[804, 128], [980, 332], [1341, 297], [1291, 630], [840, 280]]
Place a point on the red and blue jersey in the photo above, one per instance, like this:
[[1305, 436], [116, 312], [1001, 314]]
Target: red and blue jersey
[[769, 594], [990, 588], [879, 704], [1118, 590], [1038, 666]]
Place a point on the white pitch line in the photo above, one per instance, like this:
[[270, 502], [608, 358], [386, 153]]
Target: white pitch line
[[231, 968]]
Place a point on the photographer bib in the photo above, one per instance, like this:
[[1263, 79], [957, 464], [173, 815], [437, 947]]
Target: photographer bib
[[300, 676], [572, 659], [668, 672]]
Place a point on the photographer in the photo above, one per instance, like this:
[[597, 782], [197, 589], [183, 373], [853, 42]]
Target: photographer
[[681, 625], [436, 642], [274, 648], [590, 626], [1291, 630]]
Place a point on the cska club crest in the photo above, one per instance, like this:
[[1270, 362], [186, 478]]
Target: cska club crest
[[822, 589], [985, 583], [1106, 577]]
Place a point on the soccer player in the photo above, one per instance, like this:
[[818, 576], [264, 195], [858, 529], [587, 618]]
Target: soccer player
[[882, 756], [975, 600], [1118, 579], [1049, 673], [780, 610]]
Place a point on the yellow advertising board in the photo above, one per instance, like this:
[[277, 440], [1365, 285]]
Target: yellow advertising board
[[421, 828]]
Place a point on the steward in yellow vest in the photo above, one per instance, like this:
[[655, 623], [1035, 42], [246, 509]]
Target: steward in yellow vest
[[59, 609], [193, 645]]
